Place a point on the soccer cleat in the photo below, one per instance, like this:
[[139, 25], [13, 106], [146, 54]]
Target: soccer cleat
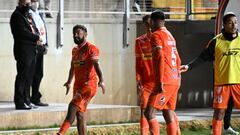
[[136, 7], [230, 131]]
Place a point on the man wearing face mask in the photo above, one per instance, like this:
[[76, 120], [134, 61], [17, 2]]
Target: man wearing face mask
[[41, 50], [86, 70], [26, 40]]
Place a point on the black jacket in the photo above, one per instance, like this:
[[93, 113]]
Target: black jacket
[[24, 40]]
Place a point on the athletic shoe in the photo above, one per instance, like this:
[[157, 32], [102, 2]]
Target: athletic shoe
[[230, 131]]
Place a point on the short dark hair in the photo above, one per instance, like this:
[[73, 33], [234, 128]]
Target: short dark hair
[[82, 27], [145, 18], [158, 15], [227, 16]]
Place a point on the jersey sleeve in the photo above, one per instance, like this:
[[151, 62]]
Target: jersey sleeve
[[158, 57], [138, 55], [156, 42], [94, 53], [74, 53]]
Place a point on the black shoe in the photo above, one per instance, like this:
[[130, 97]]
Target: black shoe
[[22, 107], [48, 15], [32, 105], [40, 103]]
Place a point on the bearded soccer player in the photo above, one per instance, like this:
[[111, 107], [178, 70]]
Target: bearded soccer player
[[88, 76], [225, 50], [144, 71], [166, 65]]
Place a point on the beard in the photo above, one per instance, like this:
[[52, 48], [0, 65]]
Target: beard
[[78, 40]]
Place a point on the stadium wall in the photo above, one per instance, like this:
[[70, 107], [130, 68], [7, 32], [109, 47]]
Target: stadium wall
[[118, 64]]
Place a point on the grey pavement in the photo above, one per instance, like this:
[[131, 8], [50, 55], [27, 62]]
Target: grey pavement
[[6, 107], [186, 114]]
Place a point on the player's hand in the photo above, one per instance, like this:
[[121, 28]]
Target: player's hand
[[139, 87], [184, 68], [159, 87], [67, 85], [39, 42], [102, 85]]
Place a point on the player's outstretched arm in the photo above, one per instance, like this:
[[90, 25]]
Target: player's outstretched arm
[[100, 76], [206, 55], [70, 77]]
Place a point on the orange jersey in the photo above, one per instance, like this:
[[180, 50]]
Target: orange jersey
[[143, 53], [82, 58], [166, 56]]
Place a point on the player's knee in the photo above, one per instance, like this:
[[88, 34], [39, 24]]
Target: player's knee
[[148, 114], [72, 110], [80, 115], [219, 114], [168, 115]]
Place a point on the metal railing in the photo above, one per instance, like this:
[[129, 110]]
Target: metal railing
[[174, 9], [121, 9]]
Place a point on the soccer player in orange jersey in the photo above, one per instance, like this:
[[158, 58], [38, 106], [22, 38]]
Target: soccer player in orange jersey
[[88, 76], [166, 64], [224, 50], [144, 72]]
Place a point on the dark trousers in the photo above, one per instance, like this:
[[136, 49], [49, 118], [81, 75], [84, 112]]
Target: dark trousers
[[228, 113], [37, 78], [24, 77]]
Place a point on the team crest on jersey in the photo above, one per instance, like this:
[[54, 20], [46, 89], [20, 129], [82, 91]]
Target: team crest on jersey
[[162, 100]]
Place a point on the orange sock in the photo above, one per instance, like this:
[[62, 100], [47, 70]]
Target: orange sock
[[177, 123], [217, 127], [154, 126], [172, 128], [144, 126], [64, 127]]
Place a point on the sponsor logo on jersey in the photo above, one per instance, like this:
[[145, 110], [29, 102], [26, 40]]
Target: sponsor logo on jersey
[[231, 52]]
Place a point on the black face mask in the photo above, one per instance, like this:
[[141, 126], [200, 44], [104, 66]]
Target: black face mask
[[78, 40], [25, 8]]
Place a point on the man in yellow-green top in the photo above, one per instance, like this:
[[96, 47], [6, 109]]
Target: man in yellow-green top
[[224, 49]]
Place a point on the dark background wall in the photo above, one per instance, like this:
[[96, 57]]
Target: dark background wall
[[197, 84]]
